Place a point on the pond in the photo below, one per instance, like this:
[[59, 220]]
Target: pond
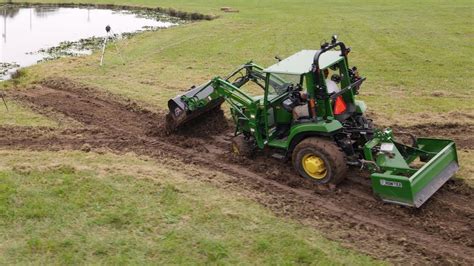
[[34, 34]]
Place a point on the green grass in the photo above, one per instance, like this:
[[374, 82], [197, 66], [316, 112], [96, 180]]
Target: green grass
[[18, 115], [466, 172], [408, 50], [94, 209]]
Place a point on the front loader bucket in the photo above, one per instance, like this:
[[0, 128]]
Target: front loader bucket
[[181, 110], [430, 164]]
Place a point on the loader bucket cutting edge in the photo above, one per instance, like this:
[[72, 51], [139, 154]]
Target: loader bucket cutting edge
[[419, 187]]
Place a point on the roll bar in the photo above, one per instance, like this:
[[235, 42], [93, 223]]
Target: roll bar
[[326, 47], [319, 92]]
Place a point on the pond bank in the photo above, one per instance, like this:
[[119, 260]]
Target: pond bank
[[169, 11]]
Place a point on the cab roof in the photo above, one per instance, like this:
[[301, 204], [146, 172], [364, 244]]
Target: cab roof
[[302, 61]]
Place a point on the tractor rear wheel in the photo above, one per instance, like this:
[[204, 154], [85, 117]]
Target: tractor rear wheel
[[241, 146], [319, 160]]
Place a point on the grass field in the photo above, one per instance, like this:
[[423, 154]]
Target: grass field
[[77, 208], [18, 115]]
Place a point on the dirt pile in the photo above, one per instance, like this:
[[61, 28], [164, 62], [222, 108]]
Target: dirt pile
[[440, 232], [462, 134]]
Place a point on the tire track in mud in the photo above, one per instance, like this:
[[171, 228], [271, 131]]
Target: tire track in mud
[[440, 232]]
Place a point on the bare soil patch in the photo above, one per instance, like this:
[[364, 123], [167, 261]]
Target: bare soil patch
[[440, 232]]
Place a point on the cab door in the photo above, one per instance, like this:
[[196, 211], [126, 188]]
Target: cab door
[[276, 91]]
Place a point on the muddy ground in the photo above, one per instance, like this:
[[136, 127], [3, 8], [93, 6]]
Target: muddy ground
[[440, 232]]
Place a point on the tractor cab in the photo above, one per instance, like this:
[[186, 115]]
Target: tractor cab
[[320, 93]]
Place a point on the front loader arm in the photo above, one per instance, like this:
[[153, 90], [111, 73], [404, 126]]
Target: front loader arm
[[232, 94], [212, 94], [229, 91]]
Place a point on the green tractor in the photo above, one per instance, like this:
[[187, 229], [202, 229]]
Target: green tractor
[[309, 114]]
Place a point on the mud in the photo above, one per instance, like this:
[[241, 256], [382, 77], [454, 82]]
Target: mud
[[440, 232], [462, 134]]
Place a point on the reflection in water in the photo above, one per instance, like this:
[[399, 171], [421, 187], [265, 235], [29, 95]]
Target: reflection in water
[[10, 11], [44, 11], [7, 12], [27, 30]]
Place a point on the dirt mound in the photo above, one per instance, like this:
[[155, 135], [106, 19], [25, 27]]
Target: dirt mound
[[209, 124], [462, 134], [440, 232], [92, 108]]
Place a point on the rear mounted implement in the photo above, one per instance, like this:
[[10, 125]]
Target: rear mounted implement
[[410, 175]]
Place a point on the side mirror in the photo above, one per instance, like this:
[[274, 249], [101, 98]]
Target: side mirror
[[334, 39]]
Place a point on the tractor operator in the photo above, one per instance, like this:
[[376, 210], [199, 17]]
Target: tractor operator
[[301, 111]]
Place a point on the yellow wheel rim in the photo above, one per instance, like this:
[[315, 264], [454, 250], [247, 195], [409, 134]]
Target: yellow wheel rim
[[314, 166]]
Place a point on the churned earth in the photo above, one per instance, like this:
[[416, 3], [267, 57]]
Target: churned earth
[[440, 232]]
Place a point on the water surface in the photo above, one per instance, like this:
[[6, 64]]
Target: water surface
[[27, 30]]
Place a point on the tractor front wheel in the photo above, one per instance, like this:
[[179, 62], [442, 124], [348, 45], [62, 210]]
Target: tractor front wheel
[[241, 146], [319, 160]]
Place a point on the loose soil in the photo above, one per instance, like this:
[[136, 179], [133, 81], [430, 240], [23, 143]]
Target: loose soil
[[442, 231]]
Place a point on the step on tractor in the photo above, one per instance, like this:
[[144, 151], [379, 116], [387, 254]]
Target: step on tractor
[[305, 108]]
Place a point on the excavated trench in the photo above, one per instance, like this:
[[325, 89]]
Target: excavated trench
[[440, 232]]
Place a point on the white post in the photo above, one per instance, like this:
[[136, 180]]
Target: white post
[[103, 49]]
